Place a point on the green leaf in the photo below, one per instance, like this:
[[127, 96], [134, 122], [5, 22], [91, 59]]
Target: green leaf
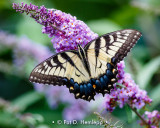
[[154, 95], [129, 113], [145, 74], [103, 26], [27, 99]]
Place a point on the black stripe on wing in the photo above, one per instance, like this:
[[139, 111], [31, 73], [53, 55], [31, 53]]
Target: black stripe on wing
[[97, 47], [65, 56], [116, 44], [45, 72], [130, 37]]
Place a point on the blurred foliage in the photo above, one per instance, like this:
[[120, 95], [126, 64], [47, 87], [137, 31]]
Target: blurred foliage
[[27, 108], [12, 118]]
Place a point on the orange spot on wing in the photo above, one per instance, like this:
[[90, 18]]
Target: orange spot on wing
[[94, 86], [71, 88]]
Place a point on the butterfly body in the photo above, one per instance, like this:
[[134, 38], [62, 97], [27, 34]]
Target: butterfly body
[[83, 57], [88, 70]]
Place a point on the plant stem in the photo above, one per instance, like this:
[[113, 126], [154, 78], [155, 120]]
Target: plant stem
[[144, 121]]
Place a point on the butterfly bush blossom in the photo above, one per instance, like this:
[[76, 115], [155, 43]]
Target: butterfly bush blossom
[[128, 93], [66, 32], [65, 29], [152, 118], [23, 49]]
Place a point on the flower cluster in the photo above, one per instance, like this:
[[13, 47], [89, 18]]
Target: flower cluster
[[66, 29], [126, 92], [152, 118], [24, 49]]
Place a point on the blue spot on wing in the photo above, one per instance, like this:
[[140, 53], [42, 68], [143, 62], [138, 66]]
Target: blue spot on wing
[[76, 88], [109, 74], [103, 83], [82, 91], [92, 81], [109, 66], [98, 84], [106, 79], [86, 90], [72, 81], [90, 88]]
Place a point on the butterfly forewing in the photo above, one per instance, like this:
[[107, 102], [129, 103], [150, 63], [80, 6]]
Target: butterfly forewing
[[116, 44], [59, 68]]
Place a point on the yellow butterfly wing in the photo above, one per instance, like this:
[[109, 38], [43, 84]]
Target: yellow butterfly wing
[[110, 48], [58, 68], [105, 52]]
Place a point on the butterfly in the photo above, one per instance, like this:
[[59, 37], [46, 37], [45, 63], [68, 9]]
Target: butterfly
[[88, 70]]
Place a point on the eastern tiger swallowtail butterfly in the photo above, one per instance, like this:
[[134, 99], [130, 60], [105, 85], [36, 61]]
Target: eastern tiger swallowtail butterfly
[[88, 70]]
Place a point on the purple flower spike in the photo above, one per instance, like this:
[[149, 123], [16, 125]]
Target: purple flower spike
[[65, 30], [24, 49], [130, 93], [152, 118]]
